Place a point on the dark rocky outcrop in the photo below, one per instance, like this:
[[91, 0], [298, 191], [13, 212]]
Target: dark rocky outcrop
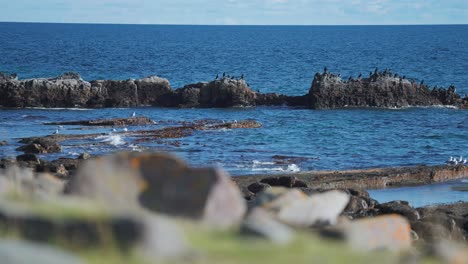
[[381, 89], [41, 146], [69, 90], [327, 91], [131, 121]]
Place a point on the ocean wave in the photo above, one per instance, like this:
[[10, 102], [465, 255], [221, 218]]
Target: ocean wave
[[111, 139]]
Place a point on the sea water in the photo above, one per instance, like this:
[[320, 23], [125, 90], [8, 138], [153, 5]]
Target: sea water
[[280, 59]]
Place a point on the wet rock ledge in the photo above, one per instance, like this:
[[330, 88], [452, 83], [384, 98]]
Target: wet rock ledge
[[379, 89], [363, 179]]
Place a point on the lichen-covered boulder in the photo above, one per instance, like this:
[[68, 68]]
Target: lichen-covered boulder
[[161, 183]]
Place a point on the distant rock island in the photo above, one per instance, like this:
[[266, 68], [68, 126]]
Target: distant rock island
[[328, 91]]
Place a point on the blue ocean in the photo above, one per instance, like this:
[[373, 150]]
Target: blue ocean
[[281, 59]]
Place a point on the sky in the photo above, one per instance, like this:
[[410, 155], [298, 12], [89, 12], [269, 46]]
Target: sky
[[238, 12]]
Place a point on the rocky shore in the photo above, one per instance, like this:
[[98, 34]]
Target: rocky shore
[[157, 205], [328, 91]]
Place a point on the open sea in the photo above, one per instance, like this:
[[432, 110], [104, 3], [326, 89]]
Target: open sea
[[280, 59]]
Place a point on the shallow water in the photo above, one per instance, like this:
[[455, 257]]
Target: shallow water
[[423, 195]]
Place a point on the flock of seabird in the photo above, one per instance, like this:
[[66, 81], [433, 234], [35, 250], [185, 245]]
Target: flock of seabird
[[455, 161], [228, 76]]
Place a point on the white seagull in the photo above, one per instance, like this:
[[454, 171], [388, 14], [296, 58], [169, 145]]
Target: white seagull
[[56, 132], [134, 114]]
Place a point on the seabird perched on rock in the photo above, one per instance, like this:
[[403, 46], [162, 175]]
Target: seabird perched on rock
[[376, 71], [224, 74], [242, 76], [395, 76], [404, 77], [217, 76], [56, 132], [422, 82], [325, 69], [360, 75], [450, 161], [133, 114]]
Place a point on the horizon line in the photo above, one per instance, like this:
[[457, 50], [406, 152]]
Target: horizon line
[[242, 25]]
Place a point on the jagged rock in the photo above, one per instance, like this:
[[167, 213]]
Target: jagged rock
[[401, 208], [356, 206], [379, 90], [259, 222], [40, 146], [161, 183], [69, 90], [257, 187], [31, 158]]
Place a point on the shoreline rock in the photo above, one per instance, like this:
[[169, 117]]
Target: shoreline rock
[[328, 91], [363, 179], [131, 121]]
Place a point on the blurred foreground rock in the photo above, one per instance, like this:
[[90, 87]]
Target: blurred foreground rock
[[161, 183], [21, 252], [391, 232]]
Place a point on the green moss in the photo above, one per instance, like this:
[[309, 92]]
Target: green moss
[[60, 208]]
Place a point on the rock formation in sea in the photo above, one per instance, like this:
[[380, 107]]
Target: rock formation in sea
[[328, 91], [381, 89]]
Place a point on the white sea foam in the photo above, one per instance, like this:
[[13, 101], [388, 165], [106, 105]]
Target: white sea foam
[[111, 139], [289, 168], [293, 168], [256, 162]]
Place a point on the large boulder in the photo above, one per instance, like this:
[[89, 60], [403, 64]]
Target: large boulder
[[226, 93], [390, 232], [151, 88], [161, 183], [318, 209]]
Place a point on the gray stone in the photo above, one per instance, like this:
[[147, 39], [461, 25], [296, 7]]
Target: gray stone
[[391, 232], [163, 238], [318, 209], [259, 222]]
